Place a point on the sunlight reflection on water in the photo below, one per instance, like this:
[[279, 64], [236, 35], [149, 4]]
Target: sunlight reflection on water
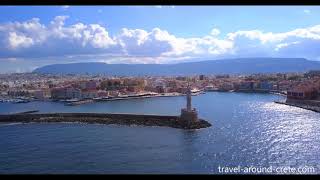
[[248, 129]]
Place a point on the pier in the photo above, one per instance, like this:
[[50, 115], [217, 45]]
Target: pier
[[105, 118]]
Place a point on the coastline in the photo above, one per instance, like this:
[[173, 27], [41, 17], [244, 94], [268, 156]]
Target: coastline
[[301, 105], [85, 101], [105, 118], [281, 93], [93, 100]]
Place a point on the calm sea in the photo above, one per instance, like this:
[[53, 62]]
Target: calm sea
[[249, 130]]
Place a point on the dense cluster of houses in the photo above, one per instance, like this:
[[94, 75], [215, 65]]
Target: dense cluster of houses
[[296, 86]]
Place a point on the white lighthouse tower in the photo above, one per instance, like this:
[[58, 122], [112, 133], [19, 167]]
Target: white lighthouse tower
[[189, 115]]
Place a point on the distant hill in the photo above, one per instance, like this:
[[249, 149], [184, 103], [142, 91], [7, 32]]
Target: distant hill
[[224, 66]]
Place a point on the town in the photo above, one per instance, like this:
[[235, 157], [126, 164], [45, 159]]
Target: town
[[79, 89]]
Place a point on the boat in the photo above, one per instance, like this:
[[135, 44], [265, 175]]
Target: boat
[[210, 88], [98, 99], [72, 100], [106, 98], [79, 102], [169, 94], [21, 101], [195, 92]]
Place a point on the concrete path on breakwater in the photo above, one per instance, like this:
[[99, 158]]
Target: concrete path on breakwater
[[103, 118]]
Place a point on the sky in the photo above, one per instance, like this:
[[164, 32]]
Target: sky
[[34, 36]]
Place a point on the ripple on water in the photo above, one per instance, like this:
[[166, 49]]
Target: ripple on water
[[247, 130]]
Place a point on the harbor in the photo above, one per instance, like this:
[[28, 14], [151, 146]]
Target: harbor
[[240, 119], [187, 120], [16, 100], [77, 101], [73, 102]]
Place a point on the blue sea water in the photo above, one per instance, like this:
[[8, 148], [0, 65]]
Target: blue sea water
[[248, 130]]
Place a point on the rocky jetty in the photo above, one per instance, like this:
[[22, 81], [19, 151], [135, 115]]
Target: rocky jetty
[[121, 119], [301, 104]]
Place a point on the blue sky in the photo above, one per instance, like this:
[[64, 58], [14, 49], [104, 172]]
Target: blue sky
[[186, 21], [32, 36]]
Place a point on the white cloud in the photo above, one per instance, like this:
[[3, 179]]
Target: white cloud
[[302, 42], [58, 21], [17, 41], [141, 42], [31, 39], [307, 11], [159, 6], [65, 7], [215, 32], [283, 45]]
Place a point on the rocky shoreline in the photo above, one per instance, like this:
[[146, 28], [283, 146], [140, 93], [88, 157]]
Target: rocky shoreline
[[102, 118]]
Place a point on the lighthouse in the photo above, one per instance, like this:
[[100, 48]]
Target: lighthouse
[[189, 99], [189, 115]]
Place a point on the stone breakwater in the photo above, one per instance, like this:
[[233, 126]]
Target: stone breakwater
[[308, 105], [102, 118]]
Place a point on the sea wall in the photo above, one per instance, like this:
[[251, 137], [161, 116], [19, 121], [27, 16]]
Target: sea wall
[[304, 102], [103, 118], [312, 106]]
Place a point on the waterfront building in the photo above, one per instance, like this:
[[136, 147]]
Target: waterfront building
[[161, 89], [265, 85], [102, 93], [283, 85], [150, 88], [42, 94], [88, 85], [73, 93], [113, 93], [246, 85], [91, 85], [58, 93], [18, 93], [112, 84], [302, 92], [172, 84], [226, 87], [89, 94], [182, 90], [65, 93]]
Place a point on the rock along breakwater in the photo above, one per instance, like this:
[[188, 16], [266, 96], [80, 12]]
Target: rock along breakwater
[[308, 105], [103, 118]]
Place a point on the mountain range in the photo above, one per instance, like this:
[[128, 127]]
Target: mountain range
[[223, 66]]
